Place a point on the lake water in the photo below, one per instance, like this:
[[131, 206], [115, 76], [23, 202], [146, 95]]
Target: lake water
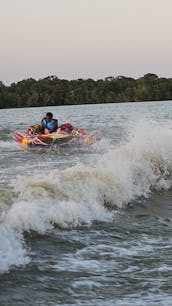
[[91, 225]]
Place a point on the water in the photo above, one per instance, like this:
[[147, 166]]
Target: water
[[88, 226]]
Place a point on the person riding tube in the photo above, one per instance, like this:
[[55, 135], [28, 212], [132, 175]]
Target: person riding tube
[[49, 124]]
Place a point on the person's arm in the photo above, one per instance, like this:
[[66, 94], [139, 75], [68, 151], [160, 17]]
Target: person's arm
[[54, 126], [42, 126]]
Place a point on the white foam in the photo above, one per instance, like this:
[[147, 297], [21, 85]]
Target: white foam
[[12, 251]]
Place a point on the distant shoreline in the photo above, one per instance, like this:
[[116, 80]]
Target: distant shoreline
[[52, 91]]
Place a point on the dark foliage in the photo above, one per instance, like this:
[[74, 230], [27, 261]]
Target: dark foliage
[[52, 91]]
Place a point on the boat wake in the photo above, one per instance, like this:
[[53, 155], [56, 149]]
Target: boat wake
[[82, 194]]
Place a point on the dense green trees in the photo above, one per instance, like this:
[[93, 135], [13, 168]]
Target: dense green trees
[[52, 91]]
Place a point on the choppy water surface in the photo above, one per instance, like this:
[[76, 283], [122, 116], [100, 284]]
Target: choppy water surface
[[90, 225]]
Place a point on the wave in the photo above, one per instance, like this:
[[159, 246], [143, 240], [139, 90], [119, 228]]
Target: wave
[[12, 249], [81, 194]]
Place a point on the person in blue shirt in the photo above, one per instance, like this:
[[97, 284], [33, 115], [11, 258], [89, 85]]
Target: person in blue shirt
[[49, 124]]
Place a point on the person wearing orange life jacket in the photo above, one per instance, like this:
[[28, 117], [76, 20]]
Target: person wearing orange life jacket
[[49, 124]]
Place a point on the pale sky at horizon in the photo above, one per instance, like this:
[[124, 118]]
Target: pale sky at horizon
[[84, 38]]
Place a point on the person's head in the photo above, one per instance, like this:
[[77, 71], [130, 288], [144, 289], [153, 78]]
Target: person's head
[[49, 116]]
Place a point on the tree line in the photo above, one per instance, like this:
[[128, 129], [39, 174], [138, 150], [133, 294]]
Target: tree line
[[52, 91]]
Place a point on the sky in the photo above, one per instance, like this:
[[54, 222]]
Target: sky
[[74, 39]]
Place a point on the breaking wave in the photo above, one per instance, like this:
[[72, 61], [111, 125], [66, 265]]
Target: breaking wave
[[81, 194]]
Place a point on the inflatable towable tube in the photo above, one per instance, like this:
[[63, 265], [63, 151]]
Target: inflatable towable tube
[[65, 134]]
